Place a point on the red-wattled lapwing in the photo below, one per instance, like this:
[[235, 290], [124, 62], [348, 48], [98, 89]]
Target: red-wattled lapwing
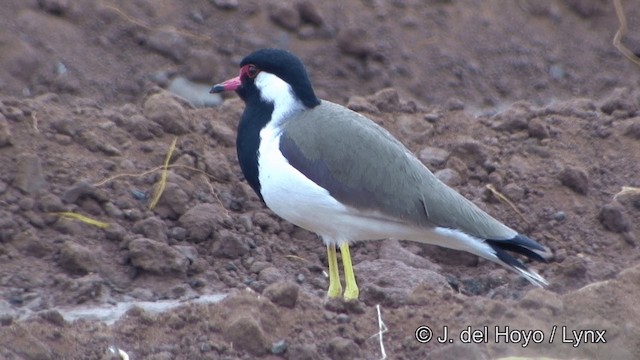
[[332, 171]]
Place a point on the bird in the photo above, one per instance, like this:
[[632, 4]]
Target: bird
[[334, 172]]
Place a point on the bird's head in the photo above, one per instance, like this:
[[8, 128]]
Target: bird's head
[[269, 74]]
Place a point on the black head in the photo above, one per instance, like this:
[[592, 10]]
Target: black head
[[278, 62]]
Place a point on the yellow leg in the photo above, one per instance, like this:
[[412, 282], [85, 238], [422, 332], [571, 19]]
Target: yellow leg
[[351, 291], [335, 288]]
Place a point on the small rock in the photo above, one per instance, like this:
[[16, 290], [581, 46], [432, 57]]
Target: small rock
[[270, 275], [81, 189], [613, 218], [343, 318], [309, 13], [189, 251], [77, 259], [470, 151], [5, 132], [218, 166], [304, 352], [393, 250], [361, 104], [222, 133], [283, 294], [449, 177], [279, 347], [201, 221], [29, 176], [197, 94], [156, 257], [152, 228], [168, 112], [168, 42], [512, 120], [454, 104], [386, 100], [513, 192], [115, 232], [559, 216], [355, 41], [576, 179], [341, 348], [55, 7], [433, 156], [380, 285], [538, 129], [173, 203], [284, 15], [230, 245], [246, 335], [141, 127], [53, 317], [50, 203], [225, 4]]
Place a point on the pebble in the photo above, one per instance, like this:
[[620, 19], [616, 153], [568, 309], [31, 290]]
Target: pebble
[[361, 104], [386, 100], [29, 177], [341, 348], [230, 245], [343, 318], [77, 259], [470, 151], [283, 294], [81, 189], [559, 216], [152, 228], [512, 120], [50, 203], [173, 203], [538, 129], [197, 94], [246, 334], [433, 156], [156, 257], [200, 222], [613, 218], [575, 179], [163, 109], [225, 4], [449, 177], [279, 347]]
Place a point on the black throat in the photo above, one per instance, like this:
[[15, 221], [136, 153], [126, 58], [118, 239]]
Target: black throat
[[255, 117]]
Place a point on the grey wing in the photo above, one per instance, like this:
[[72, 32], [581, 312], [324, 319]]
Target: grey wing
[[358, 162]]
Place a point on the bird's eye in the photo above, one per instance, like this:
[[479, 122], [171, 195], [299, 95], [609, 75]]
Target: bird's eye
[[252, 71]]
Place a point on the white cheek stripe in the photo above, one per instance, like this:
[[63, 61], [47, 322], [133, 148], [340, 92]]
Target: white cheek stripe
[[277, 92]]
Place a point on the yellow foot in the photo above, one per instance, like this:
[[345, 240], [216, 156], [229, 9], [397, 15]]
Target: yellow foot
[[335, 288], [351, 291]]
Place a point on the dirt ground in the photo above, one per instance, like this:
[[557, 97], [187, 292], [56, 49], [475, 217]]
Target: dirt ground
[[529, 97]]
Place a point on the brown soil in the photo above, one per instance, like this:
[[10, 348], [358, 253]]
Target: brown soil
[[530, 97]]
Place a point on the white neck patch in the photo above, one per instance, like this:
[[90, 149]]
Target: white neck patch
[[279, 93]]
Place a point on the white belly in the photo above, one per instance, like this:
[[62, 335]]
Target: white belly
[[294, 197]]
